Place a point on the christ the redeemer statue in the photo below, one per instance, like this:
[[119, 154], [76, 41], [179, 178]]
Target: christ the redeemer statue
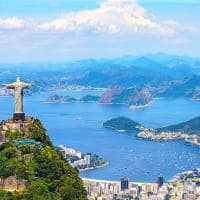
[[18, 88]]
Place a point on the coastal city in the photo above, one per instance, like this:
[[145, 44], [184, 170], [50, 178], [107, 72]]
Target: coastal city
[[99, 99], [184, 186]]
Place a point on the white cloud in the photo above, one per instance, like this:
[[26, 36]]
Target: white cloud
[[177, 26], [12, 23], [112, 17]]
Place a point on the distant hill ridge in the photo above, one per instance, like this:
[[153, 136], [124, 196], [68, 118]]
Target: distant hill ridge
[[190, 127], [161, 74], [123, 123]]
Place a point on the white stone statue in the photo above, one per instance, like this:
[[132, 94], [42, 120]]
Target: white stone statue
[[18, 88]]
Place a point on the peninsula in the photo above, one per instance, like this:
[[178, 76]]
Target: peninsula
[[82, 161], [188, 131]]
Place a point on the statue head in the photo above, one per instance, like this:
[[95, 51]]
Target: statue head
[[18, 79]]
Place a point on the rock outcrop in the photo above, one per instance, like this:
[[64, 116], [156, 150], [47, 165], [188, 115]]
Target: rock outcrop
[[12, 184]]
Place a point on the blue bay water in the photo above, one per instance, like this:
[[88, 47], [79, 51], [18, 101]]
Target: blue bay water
[[79, 125]]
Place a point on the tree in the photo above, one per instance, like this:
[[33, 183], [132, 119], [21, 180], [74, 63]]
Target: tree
[[7, 195], [39, 190], [38, 132], [70, 187], [49, 176]]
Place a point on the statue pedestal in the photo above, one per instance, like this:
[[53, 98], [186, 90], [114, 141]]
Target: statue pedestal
[[18, 117]]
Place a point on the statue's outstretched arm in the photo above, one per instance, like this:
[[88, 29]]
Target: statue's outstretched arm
[[9, 86], [26, 85]]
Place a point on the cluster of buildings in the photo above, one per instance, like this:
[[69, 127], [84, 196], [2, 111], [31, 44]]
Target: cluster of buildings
[[74, 87], [69, 151], [84, 162], [188, 189], [14, 126], [76, 158], [113, 190], [164, 136]]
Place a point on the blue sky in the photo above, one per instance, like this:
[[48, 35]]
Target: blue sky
[[62, 30]]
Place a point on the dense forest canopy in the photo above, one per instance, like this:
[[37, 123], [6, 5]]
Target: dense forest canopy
[[46, 173]]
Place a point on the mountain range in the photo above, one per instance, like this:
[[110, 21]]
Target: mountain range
[[159, 74]]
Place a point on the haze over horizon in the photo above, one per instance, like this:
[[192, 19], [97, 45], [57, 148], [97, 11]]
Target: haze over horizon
[[56, 30], [156, 56]]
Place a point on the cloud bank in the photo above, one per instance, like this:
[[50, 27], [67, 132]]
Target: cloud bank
[[12, 23], [112, 17], [115, 28]]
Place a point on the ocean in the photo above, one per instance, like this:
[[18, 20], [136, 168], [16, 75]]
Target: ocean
[[79, 125]]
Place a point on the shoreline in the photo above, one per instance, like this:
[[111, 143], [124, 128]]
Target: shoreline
[[93, 168], [118, 130], [57, 102], [111, 181], [175, 178], [134, 107], [169, 136]]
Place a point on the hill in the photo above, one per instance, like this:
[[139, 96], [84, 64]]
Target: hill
[[89, 98], [31, 168], [129, 96], [189, 127], [59, 99], [188, 87], [122, 124]]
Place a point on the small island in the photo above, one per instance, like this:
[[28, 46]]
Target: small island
[[131, 97], [68, 99], [89, 98], [188, 131], [59, 99], [122, 124]]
